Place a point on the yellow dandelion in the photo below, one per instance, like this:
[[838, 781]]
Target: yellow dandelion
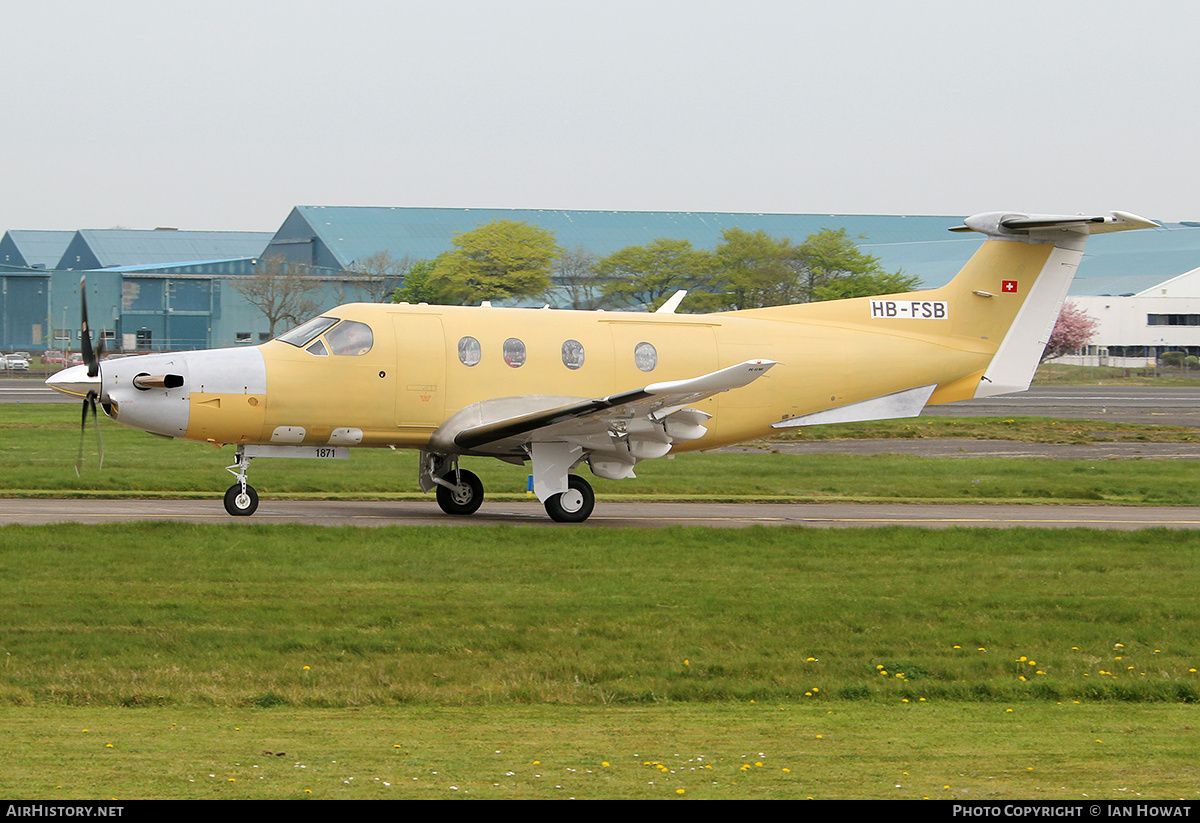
[[679, 791]]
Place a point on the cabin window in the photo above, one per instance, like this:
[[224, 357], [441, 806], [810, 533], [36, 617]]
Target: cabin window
[[469, 351], [350, 338], [572, 354], [514, 352], [645, 357], [301, 336]]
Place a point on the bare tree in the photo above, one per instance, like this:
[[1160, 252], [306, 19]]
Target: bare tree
[[575, 273], [282, 291], [380, 274]]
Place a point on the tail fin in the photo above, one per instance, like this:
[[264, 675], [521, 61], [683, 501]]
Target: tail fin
[[1015, 284]]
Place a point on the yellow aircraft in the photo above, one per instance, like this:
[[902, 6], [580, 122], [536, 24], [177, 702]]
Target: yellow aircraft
[[560, 389]]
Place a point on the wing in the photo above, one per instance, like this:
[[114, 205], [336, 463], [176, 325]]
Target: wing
[[614, 432]]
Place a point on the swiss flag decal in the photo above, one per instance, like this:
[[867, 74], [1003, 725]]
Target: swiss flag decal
[[1009, 287]]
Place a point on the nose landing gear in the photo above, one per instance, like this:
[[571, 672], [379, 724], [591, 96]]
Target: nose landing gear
[[241, 500]]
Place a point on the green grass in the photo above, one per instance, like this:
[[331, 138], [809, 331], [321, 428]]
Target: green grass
[[263, 616], [947, 751], [1019, 429], [40, 444], [243, 661], [1060, 374]]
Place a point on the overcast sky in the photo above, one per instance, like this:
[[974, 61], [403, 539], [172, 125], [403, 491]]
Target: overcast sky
[[224, 115]]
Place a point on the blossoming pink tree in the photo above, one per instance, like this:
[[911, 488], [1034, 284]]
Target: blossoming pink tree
[[1071, 333]]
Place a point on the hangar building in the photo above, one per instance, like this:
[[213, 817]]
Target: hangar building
[[160, 289]]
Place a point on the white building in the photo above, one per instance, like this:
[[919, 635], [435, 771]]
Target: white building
[[1134, 330]]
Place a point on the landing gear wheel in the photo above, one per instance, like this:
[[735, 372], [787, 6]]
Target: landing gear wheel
[[239, 504], [465, 498], [575, 504]]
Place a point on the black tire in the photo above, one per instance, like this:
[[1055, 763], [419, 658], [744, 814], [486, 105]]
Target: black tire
[[466, 498], [240, 506], [576, 508]]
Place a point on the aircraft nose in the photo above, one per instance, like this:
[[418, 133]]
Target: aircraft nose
[[74, 381]]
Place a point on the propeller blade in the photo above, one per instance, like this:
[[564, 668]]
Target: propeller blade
[[91, 358], [85, 334], [90, 400], [82, 427], [96, 426]]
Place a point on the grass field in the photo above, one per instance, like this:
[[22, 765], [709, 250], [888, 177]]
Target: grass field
[[949, 751], [41, 444], [965, 658], [175, 661], [1059, 374]]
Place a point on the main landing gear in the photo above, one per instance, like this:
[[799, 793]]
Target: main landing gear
[[463, 494], [575, 504], [568, 498], [460, 492]]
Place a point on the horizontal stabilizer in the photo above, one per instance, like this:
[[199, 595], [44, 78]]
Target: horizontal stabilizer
[[999, 223]]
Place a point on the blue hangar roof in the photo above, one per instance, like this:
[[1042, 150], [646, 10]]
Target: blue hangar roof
[[34, 249], [334, 237], [105, 248]]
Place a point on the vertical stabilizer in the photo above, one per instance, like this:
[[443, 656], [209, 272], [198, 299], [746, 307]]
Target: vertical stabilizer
[[1016, 283]]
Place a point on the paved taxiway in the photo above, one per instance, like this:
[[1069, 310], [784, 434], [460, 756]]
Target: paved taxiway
[[1133, 404], [608, 514]]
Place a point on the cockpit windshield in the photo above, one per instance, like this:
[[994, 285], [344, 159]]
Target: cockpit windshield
[[304, 334], [345, 337]]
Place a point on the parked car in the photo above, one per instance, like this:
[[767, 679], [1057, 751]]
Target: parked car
[[13, 362]]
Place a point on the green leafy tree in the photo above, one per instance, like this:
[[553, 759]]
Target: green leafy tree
[[831, 255], [419, 285], [645, 276], [867, 285], [753, 270], [502, 260]]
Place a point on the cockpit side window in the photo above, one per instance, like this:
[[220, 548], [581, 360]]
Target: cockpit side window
[[302, 335], [350, 338]]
